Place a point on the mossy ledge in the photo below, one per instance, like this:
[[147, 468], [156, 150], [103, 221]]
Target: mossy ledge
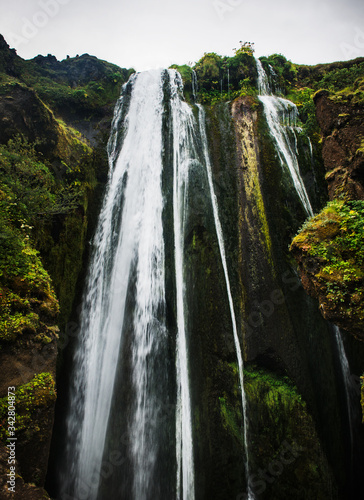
[[329, 250]]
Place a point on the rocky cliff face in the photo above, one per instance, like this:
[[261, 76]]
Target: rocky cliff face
[[340, 117], [51, 175]]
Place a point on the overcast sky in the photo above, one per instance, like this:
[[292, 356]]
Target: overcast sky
[[147, 34]]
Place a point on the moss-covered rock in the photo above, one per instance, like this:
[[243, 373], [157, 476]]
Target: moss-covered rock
[[329, 250], [34, 410], [287, 458]]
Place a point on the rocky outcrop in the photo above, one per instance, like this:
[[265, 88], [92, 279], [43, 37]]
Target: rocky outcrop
[[328, 251], [340, 117], [22, 112]]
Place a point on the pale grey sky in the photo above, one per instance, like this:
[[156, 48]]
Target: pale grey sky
[[147, 34]]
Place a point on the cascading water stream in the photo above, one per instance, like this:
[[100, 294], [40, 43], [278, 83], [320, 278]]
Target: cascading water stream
[[182, 120], [221, 244], [350, 392], [278, 110], [128, 255]]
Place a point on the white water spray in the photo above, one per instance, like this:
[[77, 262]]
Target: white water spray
[[350, 391], [127, 242], [182, 119], [279, 113]]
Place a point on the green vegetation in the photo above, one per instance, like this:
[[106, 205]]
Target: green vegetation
[[362, 397], [303, 99], [27, 196], [26, 293], [335, 239], [79, 84], [284, 441], [225, 78], [32, 197], [46, 184], [279, 399], [285, 71], [29, 190], [30, 402], [276, 392], [334, 77], [231, 419]]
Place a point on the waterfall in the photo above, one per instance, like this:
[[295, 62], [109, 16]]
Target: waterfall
[[350, 391], [128, 255], [220, 239], [183, 151], [279, 113], [123, 335]]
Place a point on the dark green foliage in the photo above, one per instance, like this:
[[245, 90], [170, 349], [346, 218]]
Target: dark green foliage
[[335, 76], [224, 78], [286, 456], [33, 203], [335, 239], [285, 69], [303, 98], [29, 190], [186, 73], [37, 394]]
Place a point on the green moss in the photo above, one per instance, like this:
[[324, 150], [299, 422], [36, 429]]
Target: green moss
[[231, 419], [335, 239], [13, 325], [30, 400], [252, 184], [282, 428], [36, 203], [24, 286]]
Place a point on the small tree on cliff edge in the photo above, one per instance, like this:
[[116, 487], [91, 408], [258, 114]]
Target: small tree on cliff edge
[[245, 48]]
